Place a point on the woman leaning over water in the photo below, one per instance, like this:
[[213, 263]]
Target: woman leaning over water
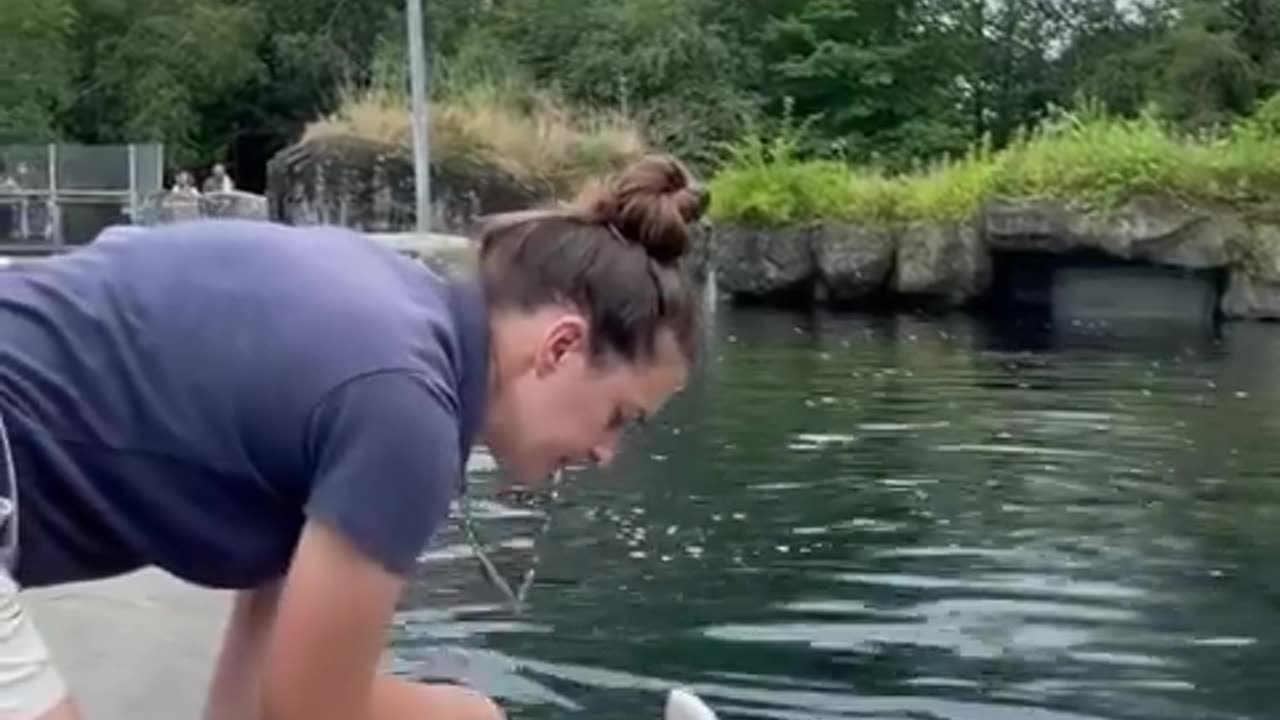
[[287, 411]]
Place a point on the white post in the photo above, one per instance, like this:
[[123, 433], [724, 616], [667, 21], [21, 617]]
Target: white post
[[133, 183], [421, 121], [53, 218]]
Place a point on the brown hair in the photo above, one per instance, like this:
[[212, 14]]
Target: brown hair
[[613, 253]]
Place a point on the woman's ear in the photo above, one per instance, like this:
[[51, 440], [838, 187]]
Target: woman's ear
[[567, 335]]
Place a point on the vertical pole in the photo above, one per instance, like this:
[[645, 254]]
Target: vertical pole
[[24, 222], [421, 121], [159, 152], [133, 184], [52, 209]]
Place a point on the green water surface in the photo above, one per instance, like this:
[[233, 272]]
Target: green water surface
[[848, 516]]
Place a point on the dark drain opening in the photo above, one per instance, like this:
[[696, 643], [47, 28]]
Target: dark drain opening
[[1088, 286]]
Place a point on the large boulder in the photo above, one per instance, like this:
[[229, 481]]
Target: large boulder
[[369, 185], [945, 263], [1152, 228], [1253, 288], [760, 263], [1257, 254], [1251, 298], [853, 261]]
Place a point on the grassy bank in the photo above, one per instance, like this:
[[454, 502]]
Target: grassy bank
[[1085, 158], [530, 136]]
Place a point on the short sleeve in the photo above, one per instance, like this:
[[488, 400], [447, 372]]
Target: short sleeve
[[385, 458]]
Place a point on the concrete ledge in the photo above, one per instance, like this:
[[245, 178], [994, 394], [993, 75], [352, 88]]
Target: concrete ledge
[[138, 647], [447, 254], [423, 242]]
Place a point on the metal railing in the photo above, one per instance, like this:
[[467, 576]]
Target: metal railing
[[59, 195]]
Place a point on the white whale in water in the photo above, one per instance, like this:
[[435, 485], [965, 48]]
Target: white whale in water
[[684, 705]]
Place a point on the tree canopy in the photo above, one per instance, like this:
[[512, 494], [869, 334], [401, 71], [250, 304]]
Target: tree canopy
[[887, 82]]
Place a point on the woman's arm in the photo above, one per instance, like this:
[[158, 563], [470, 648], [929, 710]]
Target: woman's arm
[[234, 691], [237, 689], [322, 652], [384, 458]]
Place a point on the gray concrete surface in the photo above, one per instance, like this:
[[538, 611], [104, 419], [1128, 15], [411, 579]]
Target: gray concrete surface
[[423, 242], [139, 647]]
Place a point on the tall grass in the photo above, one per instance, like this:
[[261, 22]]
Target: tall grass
[[492, 122], [765, 180], [1084, 158]]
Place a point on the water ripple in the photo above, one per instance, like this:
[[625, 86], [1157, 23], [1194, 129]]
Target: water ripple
[[898, 518]]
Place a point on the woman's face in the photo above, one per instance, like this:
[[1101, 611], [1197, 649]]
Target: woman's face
[[554, 407]]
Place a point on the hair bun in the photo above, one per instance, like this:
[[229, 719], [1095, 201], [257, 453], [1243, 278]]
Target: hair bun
[[650, 203]]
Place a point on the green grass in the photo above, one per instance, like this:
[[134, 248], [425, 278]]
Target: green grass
[[765, 181], [1085, 158], [483, 123]]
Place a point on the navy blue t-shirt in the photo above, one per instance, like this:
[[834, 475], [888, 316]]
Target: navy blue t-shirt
[[186, 396]]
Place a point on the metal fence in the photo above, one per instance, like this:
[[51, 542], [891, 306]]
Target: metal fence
[[54, 196]]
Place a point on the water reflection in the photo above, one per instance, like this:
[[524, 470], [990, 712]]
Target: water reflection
[[897, 517]]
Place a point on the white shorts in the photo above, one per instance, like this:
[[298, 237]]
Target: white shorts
[[30, 685]]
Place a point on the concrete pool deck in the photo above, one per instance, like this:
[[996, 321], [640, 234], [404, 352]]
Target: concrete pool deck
[[139, 647]]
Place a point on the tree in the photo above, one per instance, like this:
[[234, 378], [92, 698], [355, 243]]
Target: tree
[[150, 69], [673, 64], [874, 74], [1202, 76], [889, 81], [33, 95]]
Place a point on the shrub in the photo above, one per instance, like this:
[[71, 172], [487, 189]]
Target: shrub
[[766, 181], [949, 191], [1092, 160], [1085, 158]]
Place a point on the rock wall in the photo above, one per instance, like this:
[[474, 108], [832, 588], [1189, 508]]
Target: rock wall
[[368, 185], [842, 264], [852, 262], [950, 265], [1253, 290]]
